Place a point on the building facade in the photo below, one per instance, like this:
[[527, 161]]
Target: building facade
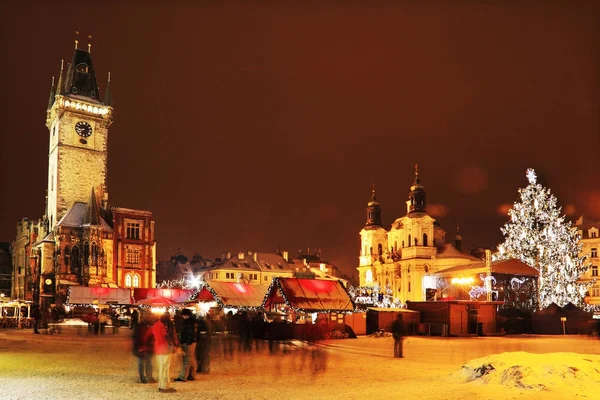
[[80, 239], [401, 261], [589, 231]]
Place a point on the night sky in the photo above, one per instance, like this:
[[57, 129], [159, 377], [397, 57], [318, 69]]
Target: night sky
[[253, 127]]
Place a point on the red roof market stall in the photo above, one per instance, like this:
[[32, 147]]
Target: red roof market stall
[[177, 295], [299, 297], [309, 295], [98, 295], [232, 294]]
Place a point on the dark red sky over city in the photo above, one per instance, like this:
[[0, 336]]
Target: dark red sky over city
[[253, 127]]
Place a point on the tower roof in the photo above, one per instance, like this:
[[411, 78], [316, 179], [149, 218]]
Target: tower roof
[[92, 212], [80, 79], [373, 211], [417, 196]]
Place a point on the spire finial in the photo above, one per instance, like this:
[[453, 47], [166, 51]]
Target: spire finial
[[76, 41], [417, 180], [89, 44], [373, 192], [61, 65]]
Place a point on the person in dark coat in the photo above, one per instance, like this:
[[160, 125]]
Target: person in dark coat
[[37, 317], [398, 334], [188, 331], [142, 348]]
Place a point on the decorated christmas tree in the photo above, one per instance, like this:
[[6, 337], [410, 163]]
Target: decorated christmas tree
[[539, 236]]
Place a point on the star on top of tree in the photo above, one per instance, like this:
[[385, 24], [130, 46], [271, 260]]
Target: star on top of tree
[[531, 176]]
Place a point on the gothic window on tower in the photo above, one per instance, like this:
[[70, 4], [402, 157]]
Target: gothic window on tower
[[132, 256], [94, 253], [75, 261], [128, 280], [136, 280], [86, 253], [133, 230]]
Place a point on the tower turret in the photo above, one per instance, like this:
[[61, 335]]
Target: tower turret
[[373, 211], [417, 196]]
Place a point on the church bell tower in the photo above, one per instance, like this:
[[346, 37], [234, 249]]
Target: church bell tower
[[78, 122]]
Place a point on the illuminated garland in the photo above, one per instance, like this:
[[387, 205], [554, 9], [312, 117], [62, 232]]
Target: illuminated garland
[[276, 284], [539, 236]]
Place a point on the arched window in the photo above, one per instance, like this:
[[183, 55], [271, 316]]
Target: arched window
[[424, 239], [86, 253], [67, 255], [75, 260], [136, 280], [409, 240], [379, 249], [83, 67], [370, 251], [128, 280], [369, 276], [94, 254]]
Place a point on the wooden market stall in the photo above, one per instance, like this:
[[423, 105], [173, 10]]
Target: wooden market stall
[[381, 319], [299, 298], [232, 294], [457, 317], [177, 295]]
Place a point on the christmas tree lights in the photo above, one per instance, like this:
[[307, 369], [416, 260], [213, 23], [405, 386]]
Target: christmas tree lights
[[539, 236]]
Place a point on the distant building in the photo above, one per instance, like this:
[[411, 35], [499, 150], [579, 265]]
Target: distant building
[[80, 239], [589, 230], [5, 270], [401, 260]]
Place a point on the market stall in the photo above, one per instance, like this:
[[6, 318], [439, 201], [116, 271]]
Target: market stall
[[309, 301]]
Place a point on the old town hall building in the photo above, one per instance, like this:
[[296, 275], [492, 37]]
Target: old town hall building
[[401, 260], [80, 239]]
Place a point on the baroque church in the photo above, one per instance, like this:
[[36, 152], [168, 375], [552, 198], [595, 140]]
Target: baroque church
[[401, 260], [81, 239]]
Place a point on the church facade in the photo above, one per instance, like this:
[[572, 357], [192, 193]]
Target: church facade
[[401, 261], [80, 239]]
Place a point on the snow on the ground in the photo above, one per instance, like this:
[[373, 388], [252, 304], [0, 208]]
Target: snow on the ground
[[77, 366]]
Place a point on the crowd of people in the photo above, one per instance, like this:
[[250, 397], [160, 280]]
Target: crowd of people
[[195, 337]]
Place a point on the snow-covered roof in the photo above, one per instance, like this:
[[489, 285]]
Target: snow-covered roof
[[449, 251], [75, 215], [232, 294], [511, 266]]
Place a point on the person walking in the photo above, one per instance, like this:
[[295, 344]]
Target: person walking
[[143, 344], [203, 344], [398, 334], [188, 332], [37, 317], [164, 342]]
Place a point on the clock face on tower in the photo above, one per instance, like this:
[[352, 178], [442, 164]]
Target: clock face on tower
[[83, 129]]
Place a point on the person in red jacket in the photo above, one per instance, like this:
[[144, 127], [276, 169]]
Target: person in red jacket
[[164, 342]]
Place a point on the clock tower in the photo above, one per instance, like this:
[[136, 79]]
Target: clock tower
[[78, 122]]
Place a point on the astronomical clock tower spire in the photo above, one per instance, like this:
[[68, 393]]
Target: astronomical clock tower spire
[[78, 122]]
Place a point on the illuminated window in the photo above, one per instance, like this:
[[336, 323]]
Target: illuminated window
[[253, 277], [136, 280], [369, 276], [595, 291], [132, 256], [133, 230], [229, 275], [594, 270], [594, 252], [593, 234], [128, 280]]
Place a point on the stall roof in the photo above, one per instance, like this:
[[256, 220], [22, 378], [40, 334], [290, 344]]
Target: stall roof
[[177, 295], [400, 310], [232, 294], [512, 266], [99, 295], [309, 295]]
